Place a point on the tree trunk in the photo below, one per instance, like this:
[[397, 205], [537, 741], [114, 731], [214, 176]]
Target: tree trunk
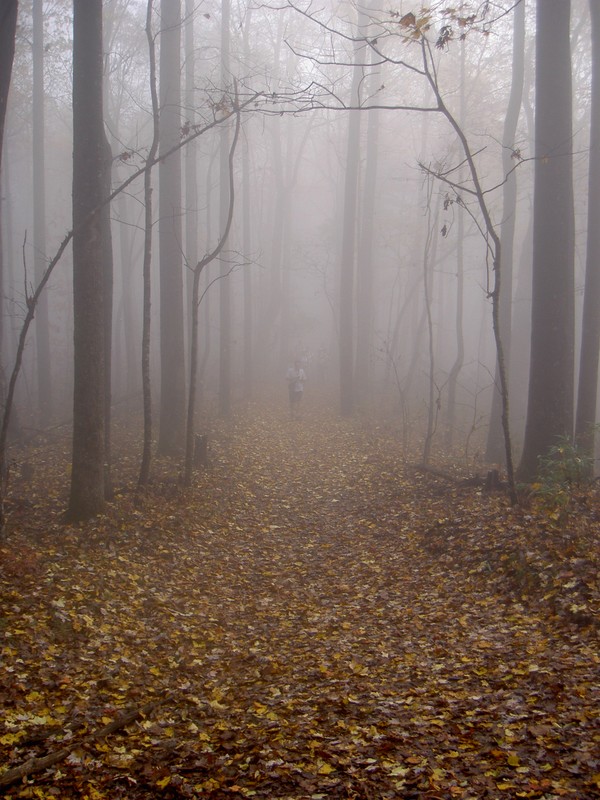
[[172, 369], [247, 243], [366, 263], [190, 156], [146, 461], [348, 248], [429, 255], [42, 328], [87, 476], [495, 444], [108, 273], [224, 199], [460, 280], [550, 406], [590, 326], [8, 29]]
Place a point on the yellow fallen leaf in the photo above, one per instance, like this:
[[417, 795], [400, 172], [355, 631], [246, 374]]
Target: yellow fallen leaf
[[326, 769], [11, 738], [164, 782]]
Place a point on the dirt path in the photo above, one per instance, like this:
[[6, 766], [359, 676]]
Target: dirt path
[[317, 637]]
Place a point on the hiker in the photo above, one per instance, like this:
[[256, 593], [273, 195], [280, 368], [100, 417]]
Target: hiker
[[295, 378]]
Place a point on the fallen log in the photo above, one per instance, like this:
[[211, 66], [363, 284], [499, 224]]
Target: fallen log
[[35, 765], [490, 482]]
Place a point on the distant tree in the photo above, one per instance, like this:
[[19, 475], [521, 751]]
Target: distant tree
[[494, 446], [224, 204], [366, 262], [195, 309], [190, 158], [457, 366], [87, 496], [587, 395], [146, 460], [42, 328], [172, 365], [108, 278], [249, 319], [348, 245], [550, 404]]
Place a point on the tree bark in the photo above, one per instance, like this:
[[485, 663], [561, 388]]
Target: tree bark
[[224, 200], [494, 446], [87, 476], [172, 368], [146, 461], [587, 396], [550, 405], [348, 248], [42, 328], [8, 29], [366, 263]]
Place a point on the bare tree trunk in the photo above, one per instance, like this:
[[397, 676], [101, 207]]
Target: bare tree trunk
[[172, 369], [587, 395], [366, 263], [428, 260], [460, 282], [144, 475], [494, 448], [348, 248], [8, 29], [248, 374], [191, 179], [42, 328], [87, 496], [550, 407], [195, 302], [108, 273], [224, 286]]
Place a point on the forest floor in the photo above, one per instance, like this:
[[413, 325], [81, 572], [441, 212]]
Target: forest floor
[[315, 618]]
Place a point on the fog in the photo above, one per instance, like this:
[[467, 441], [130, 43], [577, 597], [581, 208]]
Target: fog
[[420, 275]]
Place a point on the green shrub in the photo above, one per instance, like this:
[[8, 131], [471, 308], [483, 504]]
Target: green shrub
[[564, 468]]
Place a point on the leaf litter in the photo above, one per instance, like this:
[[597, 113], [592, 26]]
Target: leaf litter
[[314, 619]]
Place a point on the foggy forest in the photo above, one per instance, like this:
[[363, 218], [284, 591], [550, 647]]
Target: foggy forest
[[299, 339]]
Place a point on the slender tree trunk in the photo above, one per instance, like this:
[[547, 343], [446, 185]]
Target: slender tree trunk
[[224, 284], [366, 262], [587, 396], [191, 180], [460, 281], [146, 461], [494, 448], [87, 475], [247, 242], [108, 272], [348, 248], [550, 407], [195, 302], [42, 328], [8, 29], [429, 253], [172, 369], [130, 332]]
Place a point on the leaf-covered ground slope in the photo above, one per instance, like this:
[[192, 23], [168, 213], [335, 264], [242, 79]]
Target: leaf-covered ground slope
[[314, 619]]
